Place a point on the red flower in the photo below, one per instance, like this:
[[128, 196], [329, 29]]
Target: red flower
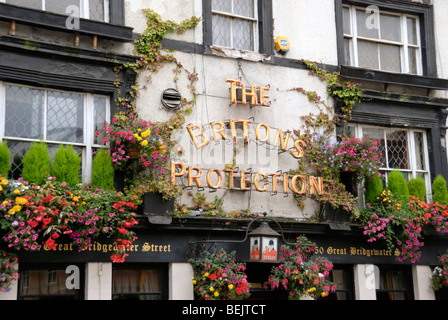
[[122, 230], [51, 244]]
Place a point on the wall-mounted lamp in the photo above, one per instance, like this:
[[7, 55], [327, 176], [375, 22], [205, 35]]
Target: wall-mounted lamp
[[264, 241]]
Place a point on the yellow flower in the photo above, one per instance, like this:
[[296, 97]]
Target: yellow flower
[[1, 188], [230, 286], [323, 294], [136, 136], [11, 211], [4, 182], [17, 191], [146, 133], [216, 294], [212, 289], [17, 208], [194, 281], [144, 143], [206, 274], [75, 198], [21, 201]]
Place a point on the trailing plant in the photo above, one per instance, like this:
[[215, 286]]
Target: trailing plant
[[331, 159], [299, 274], [36, 163], [348, 92], [8, 272], [417, 188], [217, 276], [439, 188], [103, 173], [33, 216], [66, 165], [400, 225], [439, 278], [5, 157], [398, 186]]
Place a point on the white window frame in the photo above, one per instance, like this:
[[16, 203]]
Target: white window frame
[[410, 137], [233, 16], [88, 145], [84, 8], [404, 44]]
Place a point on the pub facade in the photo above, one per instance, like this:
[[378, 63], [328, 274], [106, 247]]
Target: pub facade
[[256, 83]]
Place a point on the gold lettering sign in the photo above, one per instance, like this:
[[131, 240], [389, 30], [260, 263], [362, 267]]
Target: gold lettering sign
[[110, 248]]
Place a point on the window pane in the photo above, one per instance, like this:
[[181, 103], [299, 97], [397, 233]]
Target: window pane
[[96, 10], [419, 150], [243, 34], [368, 55], [390, 58], [413, 54], [347, 52], [99, 116], [65, 117], [377, 134], [365, 29], [24, 112], [412, 31], [222, 5], [137, 284], [43, 284], [397, 149], [390, 27], [346, 21], [60, 6], [32, 4], [221, 31], [244, 8]]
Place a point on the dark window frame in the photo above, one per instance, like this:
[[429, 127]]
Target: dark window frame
[[422, 10], [265, 26], [78, 293], [114, 30]]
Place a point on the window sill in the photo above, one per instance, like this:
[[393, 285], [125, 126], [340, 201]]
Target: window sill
[[390, 78], [55, 21], [238, 54]]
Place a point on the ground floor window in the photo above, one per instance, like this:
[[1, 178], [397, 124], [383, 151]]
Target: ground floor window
[[402, 149], [29, 114], [140, 282], [342, 276], [393, 283], [50, 283]]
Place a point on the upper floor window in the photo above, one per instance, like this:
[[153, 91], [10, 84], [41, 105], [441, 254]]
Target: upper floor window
[[239, 24], [97, 10], [29, 114], [381, 40], [235, 24]]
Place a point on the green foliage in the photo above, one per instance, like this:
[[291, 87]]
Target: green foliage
[[417, 188], [66, 165], [36, 163], [398, 186], [103, 171], [5, 156], [374, 187], [439, 189]]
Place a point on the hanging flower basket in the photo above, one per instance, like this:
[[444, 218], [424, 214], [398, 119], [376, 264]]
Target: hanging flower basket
[[133, 153]]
